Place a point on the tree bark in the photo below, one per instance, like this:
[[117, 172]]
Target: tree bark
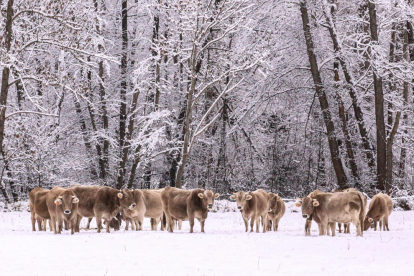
[[369, 152], [390, 142], [323, 101], [123, 109], [379, 107]]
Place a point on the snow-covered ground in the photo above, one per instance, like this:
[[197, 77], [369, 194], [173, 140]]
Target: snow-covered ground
[[225, 249]]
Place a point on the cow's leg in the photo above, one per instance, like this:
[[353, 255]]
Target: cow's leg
[[98, 218], [324, 226], [252, 220], [32, 217], [127, 224], [328, 228], [89, 223], [72, 224], [276, 224], [380, 225], [386, 224], [333, 224], [308, 224], [191, 220], [44, 223], [170, 222], [78, 221], [39, 224], [53, 220], [107, 222], [140, 221], [202, 226], [340, 227], [180, 224], [59, 224], [246, 223], [50, 225], [66, 225]]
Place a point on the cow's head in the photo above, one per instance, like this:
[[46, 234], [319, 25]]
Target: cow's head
[[242, 199], [67, 201], [207, 197], [272, 199], [126, 199], [308, 205], [368, 222]]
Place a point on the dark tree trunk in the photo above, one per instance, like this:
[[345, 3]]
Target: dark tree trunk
[[323, 101], [123, 109], [379, 107], [390, 142]]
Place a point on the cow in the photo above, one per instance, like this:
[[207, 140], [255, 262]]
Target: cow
[[102, 202], [335, 207], [276, 211], [253, 206], [380, 209], [62, 205], [308, 222], [148, 205], [38, 208], [187, 205], [347, 226]]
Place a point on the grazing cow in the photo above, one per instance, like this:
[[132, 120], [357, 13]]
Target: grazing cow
[[253, 206], [276, 211], [115, 222], [187, 205], [336, 207], [38, 208], [148, 205], [380, 209], [102, 202], [62, 204]]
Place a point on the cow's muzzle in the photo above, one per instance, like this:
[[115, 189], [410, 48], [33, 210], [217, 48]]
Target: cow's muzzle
[[239, 207], [132, 206], [210, 206], [67, 212], [305, 216]]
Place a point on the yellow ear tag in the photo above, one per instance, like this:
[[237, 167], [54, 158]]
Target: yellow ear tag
[[58, 202]]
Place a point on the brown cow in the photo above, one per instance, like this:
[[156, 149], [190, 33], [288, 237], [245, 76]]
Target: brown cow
[[276, 211], [336, 207], [187, 205], [253, 206], [148, 205], [347, 226], [308, 222], [62, 205], [38, 208], [380, 209], [102, 202]]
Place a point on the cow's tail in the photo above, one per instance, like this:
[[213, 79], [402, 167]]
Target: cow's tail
[[362, 213], [164, 220]]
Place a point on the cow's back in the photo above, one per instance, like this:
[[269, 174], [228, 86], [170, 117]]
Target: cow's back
[[261, 203]]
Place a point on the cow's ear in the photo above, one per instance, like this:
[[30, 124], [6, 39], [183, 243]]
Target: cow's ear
[[75, 199], [315, 202], [200, 195], [216, 195], [58, 200], [298, 202], [120, 195], [233, 197], [248, 197]]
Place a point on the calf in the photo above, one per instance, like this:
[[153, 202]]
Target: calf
[[187, 205], [102, 202], [253, 206], [276, 211], [380, 209], [336, 207], [308, 222], [38, 208], [148, 205], [62, 205]]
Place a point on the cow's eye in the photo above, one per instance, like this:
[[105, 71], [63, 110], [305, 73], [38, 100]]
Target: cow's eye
[[126, 197], [310, 206]]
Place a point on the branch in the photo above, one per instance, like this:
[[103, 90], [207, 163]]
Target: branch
[[31, 112]]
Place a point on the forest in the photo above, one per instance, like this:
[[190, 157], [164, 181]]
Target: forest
[[287, 96]]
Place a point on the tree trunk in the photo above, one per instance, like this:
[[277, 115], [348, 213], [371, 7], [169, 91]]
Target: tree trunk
[[379, 107], [123, 109], [389, 152], [323, 101], [369, 152]]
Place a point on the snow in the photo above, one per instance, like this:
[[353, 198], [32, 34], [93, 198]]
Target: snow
[[225, 249]]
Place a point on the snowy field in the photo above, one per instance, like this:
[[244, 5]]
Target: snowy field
[[225, 249]]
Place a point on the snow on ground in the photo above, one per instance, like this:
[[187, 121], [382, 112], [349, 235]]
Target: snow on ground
[[225, 249]]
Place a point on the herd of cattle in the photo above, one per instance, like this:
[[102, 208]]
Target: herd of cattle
[[65, 207]]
